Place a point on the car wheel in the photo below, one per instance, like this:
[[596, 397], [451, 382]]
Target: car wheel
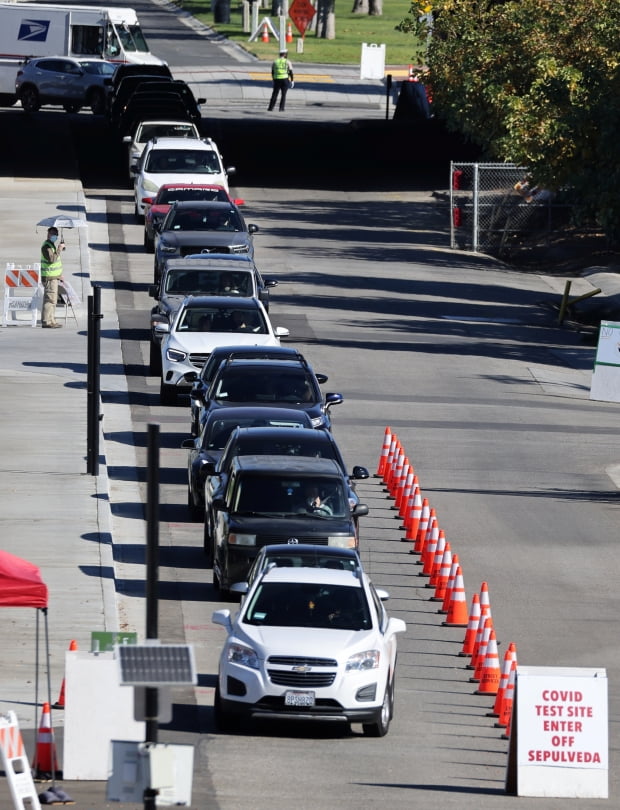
[[154, 358], [224, 721], [167, 394], [30, 100], [196, 513], [71, 108], [382, 723], [149, 244], [96, 102]]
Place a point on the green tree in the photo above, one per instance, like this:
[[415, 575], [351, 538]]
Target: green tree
[[534, 82]]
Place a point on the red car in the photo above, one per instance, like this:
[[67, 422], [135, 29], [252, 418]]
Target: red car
[[158, 206]]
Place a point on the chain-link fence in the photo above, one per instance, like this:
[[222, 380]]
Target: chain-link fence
[[494, 207]]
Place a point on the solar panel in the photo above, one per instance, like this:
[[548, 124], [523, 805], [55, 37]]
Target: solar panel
[[156, 664]]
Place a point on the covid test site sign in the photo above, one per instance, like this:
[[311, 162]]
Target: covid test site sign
[[559, 733]]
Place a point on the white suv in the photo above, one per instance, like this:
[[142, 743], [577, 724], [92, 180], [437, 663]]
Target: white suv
[[309, 644], [177, 160]]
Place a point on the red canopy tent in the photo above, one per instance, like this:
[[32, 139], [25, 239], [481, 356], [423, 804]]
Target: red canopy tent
[[20, 583]]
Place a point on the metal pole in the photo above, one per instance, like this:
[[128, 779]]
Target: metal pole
[[475, 220], [388, 90], [96, 377], [152, 575], [89, 389]]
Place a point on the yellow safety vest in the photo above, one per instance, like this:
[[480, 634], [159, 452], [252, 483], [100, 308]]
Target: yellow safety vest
[[280, 68], [50, 269]]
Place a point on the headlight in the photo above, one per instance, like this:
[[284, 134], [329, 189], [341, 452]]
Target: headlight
[[242, 539], [239, 654], [166, 248], [341, 541], [317, 421], [149, 185], [240, 249], [363, 661], [175, 356]]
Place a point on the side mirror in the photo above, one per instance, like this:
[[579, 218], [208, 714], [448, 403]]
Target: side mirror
[[223, 617], [360, 473], [270, 282], [162, 328], [333, 399], [201, 101], [361, 510], [321, 378], [188, 444], [154, 291], [253, 228], [127, 139], [281, 331], [231, 170], [239, 587]]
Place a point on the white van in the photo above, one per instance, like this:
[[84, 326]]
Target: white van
[[31, 29]]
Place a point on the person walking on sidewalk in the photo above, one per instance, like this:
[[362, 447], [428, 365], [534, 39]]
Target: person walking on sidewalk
[[51, 273], [281, 73]]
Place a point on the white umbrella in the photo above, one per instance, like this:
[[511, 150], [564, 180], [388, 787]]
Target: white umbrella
[[62, 221]]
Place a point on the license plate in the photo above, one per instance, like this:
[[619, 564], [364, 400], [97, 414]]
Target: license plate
[[299, 699]]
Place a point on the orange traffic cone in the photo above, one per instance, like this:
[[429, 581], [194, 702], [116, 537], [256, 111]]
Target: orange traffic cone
[[385, 449], [484, 595], [398, 471], [506, 715], [60, 703], [472, 626], [411, 76], [265, 34], [443, 575], [481, 652], [289, 33], [457, 610], [484, 612], [404, 489], [389, 464], [430, 546], [509, 656], [45, 764], [491, 674], [420, 540], [413, 512], [437, 558], [450, 586]]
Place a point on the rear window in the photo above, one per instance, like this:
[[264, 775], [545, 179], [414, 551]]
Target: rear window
[[172, 195], [183, 161], [150, 131]]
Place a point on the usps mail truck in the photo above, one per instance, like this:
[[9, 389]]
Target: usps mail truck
[[30, 29]]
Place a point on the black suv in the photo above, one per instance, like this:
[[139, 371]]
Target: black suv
[[276, 499], [285, 383], [251, 439], [201, 381]]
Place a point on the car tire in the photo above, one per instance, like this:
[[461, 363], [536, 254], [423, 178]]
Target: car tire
[[196, 513], [224, 721], [136, 213], [29, 98], [167, 394], [71, 108], [149, 244], [207, 542], [96, 101], [382, 723], [154, 359]]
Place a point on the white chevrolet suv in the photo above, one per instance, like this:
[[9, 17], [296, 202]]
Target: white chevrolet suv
[[177, 160]]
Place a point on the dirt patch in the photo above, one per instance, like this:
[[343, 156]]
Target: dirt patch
[[565, 254]]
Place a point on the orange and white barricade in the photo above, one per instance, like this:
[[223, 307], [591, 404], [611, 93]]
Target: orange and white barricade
[[23, 292], [15, 765]]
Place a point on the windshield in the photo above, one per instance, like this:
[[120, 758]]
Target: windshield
[[274, 385], [222, 319], [216, 435], [132, 38], [203, 219], [307, 496], [295, 604], [98, 68], [209, 282], [149, 131], [183, 161]]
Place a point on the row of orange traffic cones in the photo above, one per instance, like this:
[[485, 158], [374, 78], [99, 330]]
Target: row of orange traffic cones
[[445, 576], [265, 33]]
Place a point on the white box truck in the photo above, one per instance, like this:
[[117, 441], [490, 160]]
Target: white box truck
[[30, 29]]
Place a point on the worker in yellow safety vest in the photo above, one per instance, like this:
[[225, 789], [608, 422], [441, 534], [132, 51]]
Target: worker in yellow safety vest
[[282, 75], [51, 273]]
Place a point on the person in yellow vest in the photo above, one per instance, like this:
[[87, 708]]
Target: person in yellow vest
[[282, 74], [51, 273]]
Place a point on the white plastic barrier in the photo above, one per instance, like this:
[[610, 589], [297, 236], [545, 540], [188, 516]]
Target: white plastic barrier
[[15, 764], [23, 292]]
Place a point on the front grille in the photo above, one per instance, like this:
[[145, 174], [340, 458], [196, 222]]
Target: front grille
[[267, 539], [297, 661], [303, 680], [198, 360], [186, 250]]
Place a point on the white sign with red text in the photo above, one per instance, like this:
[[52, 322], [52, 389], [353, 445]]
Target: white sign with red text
[[562, 732]]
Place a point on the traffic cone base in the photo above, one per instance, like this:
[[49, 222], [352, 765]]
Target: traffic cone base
[[45, 763]]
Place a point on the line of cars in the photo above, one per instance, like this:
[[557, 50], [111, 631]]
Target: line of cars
[[266, 479]]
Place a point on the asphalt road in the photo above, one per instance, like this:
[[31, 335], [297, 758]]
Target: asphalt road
[[462, 358]]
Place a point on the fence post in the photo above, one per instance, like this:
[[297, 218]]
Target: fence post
[[475, 213]]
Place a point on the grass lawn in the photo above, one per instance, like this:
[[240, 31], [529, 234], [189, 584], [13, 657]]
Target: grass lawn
[[351, 31]]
